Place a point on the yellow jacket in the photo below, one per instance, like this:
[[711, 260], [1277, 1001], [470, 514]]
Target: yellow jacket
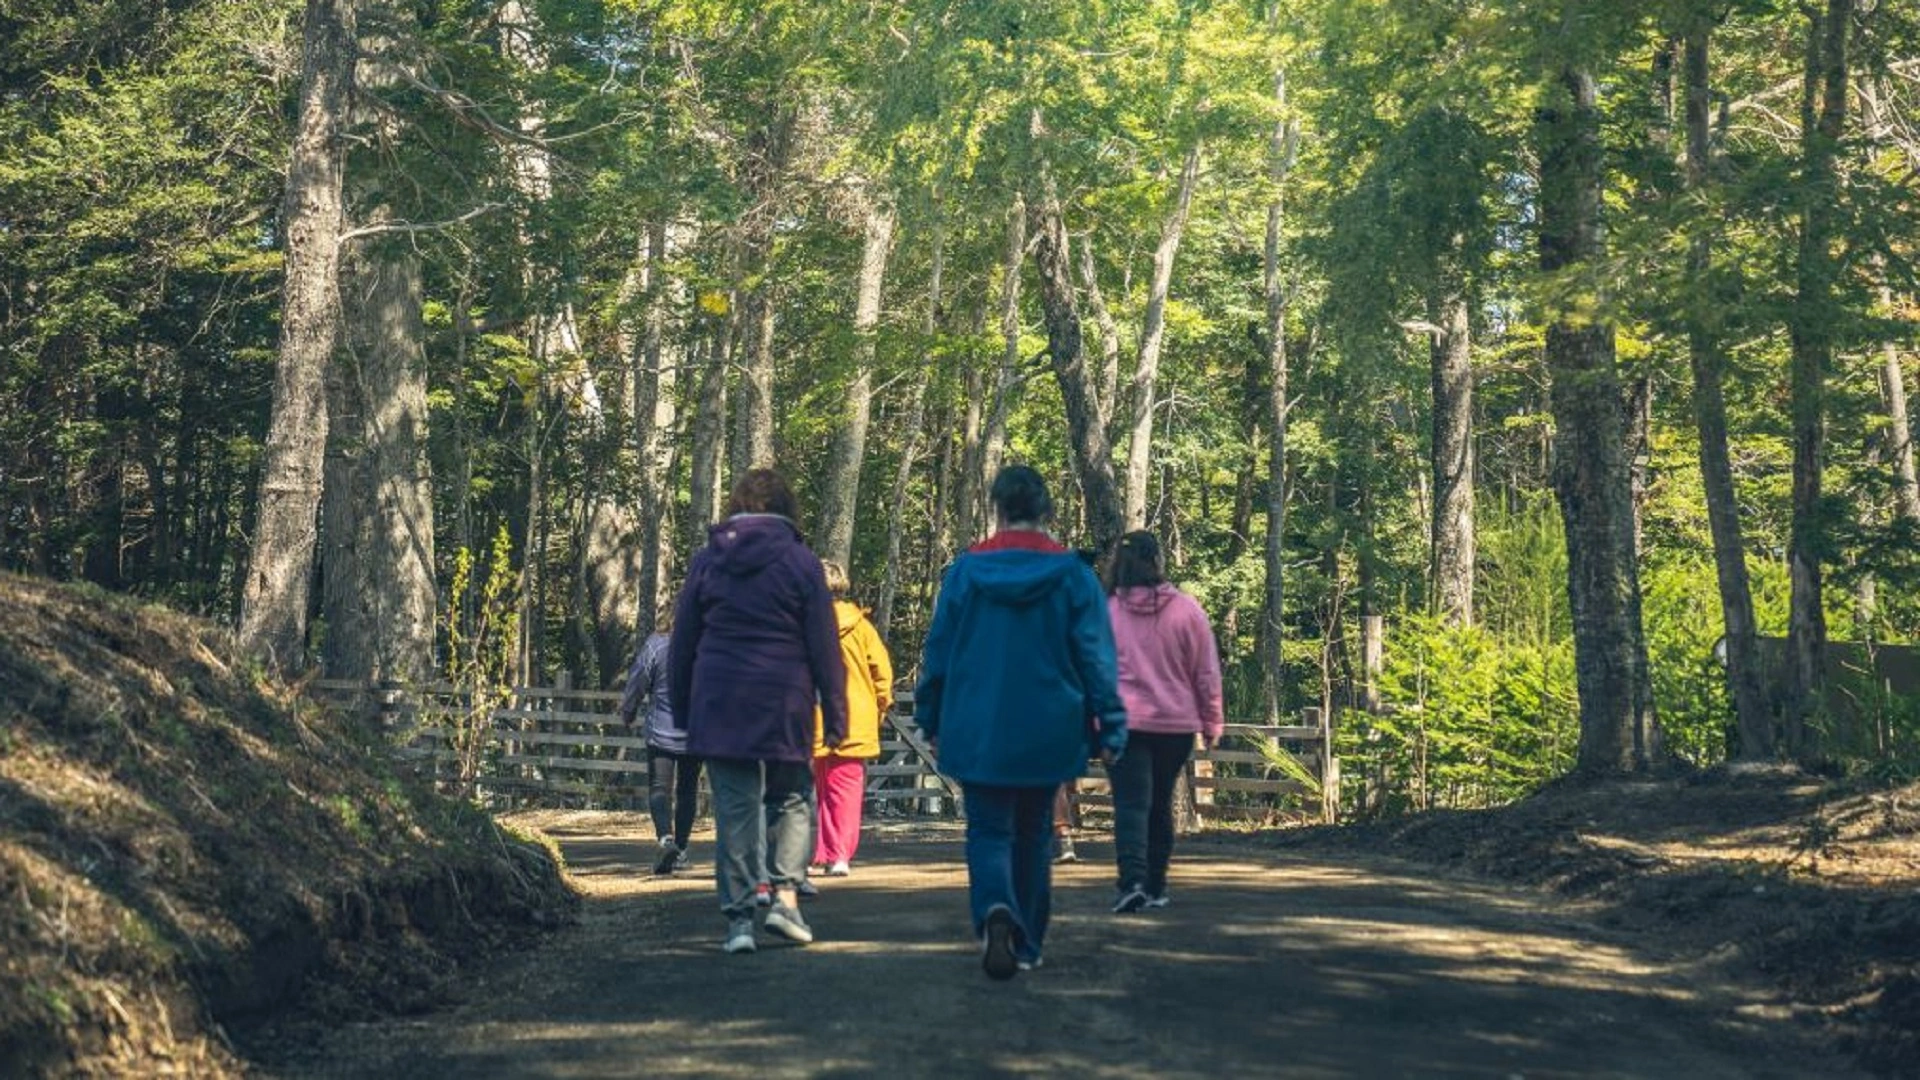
[[869, 685]]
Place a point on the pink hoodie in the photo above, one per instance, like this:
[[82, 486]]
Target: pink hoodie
[[1169, 666]]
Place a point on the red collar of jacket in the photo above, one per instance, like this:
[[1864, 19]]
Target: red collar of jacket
[[1018, 540]]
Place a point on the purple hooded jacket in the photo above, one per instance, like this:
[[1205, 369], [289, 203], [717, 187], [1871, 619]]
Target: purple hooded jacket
[[755, 644]]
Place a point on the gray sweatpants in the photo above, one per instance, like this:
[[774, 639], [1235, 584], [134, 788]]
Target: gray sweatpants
[[763, 818]]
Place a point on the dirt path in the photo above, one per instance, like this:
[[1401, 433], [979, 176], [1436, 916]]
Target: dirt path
[[1264, 965]]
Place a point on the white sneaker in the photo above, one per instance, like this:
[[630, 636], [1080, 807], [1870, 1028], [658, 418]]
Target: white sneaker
[[739, 937], [839, 869]]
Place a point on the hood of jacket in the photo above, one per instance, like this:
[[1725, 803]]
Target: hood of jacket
[[847, 614], [1147, 599], [746, 544], [1020, 578]]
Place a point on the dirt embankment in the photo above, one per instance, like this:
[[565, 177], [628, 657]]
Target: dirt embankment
[[1809, 884], [187, 851]]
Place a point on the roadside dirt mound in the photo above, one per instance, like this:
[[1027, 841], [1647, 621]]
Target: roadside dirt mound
[[187, 851], [1813, 884]]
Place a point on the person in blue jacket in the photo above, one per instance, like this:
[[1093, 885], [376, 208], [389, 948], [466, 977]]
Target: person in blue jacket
[[1018, 687], [755, 647]]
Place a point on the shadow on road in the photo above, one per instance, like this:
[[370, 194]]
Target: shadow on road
[[1263, 966]]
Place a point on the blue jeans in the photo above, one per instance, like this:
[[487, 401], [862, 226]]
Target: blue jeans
[[1010, 859]]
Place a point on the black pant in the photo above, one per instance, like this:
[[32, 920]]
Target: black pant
[[1143, 782], [673, 792]]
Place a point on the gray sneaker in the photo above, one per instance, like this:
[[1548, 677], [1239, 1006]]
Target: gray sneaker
[[1132, 898], [1157, 901], [739, 937], [786, 922]]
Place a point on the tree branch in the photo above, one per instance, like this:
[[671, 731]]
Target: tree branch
[[419, 227]]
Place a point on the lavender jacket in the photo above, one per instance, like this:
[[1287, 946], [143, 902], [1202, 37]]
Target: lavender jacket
[[755, 645], [647, 685]]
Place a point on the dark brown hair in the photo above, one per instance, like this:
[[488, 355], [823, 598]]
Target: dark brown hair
[[762, 491], [1136, 561]]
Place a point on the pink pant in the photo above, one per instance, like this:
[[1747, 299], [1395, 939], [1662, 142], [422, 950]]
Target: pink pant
[[840, 784]]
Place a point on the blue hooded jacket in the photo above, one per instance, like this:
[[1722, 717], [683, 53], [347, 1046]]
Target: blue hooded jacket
[[755, 646], [1019, 680]]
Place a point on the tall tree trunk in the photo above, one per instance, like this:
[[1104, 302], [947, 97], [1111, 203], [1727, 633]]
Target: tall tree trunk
[[1590, 472], [993, 441], [1281, 149], [1092, 456], [1109, 333], [1152, 333], [553, 336], [1811, 325], [850, 447], [274, 599], [656, 417], [1899, 438], [753, 411], [380, 595], [555, 333], [1745, 684], [765, 170], [1451, 355], [910, 449], [709, 437]]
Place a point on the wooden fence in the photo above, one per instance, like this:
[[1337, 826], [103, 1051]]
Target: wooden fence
[[550, 745]]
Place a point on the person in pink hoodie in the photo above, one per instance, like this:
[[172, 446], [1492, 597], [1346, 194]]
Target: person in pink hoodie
[[1170, 683]]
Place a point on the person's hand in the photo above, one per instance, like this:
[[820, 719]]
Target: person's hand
[[1209, 741], [1108, 758]]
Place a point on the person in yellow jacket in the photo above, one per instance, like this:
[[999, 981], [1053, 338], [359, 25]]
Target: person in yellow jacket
[[840, 773]]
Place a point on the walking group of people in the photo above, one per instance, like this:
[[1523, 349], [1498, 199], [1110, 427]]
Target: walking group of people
[[766, 673]]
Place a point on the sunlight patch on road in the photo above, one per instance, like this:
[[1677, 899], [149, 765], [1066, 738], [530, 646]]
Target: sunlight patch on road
[[1497, 956]]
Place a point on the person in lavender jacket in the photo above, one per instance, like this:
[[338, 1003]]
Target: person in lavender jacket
[[1170, 681], [673, 775], [755, 646]]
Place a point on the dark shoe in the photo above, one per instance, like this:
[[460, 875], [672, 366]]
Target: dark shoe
[[1156, 901], [996, 950], [1063, 849], [681, 860], [1132, 898], [670, 858], [807, 888], [763, 895]]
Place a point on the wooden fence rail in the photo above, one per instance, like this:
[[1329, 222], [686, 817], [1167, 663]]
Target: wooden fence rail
[[544, 744]]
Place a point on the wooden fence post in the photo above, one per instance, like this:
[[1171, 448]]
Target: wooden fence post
[[1329, 765]]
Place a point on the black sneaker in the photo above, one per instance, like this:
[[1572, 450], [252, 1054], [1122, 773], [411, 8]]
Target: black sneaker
[[996, 949], [669, 860], [1132, 898]]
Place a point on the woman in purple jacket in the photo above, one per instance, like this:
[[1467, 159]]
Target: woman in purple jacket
[[754, 647]]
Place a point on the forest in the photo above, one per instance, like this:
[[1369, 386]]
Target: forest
[[420, 340]]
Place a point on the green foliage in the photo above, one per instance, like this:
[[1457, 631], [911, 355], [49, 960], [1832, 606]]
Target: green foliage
[[1470, 720]]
